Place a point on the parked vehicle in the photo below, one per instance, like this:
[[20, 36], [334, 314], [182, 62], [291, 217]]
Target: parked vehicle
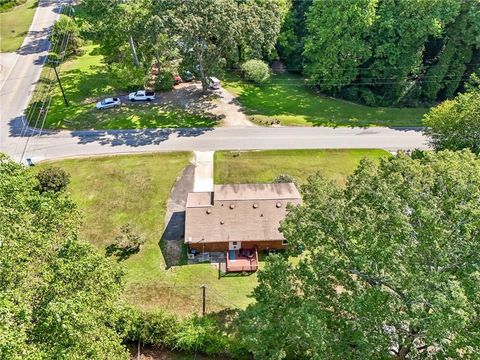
[[141, 95], [213, 83], [177, 79], [188, 76], [108, 103]]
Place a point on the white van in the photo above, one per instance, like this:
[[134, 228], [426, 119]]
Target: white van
[[213, 83]]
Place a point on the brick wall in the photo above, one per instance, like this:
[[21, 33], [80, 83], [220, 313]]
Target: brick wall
[[223, 246]]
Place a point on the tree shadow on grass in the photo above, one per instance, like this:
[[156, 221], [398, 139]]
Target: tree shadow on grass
[[119, 252], [287, 96]]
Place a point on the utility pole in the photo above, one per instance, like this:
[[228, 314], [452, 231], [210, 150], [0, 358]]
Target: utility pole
[[60, 83], [204, 287]]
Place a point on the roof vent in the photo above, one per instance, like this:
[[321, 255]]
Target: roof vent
[[222, 222], [255, 205], [232, 206], [278, 204], [209, 211]]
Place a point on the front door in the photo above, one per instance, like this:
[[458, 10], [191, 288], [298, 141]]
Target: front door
[[234, 245]]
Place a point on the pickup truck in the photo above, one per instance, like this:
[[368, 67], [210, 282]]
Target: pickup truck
[[141, 95]]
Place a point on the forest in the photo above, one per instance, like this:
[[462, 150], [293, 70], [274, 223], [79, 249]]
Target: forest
[[376, 52], [383, 52]]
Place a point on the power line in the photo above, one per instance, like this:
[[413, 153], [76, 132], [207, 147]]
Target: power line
[[46, 92]]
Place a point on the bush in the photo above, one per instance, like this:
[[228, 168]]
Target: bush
[[164, 81], [202, 334], [52, 179], [256, 71], [368, 97], [285, 178], [129, 238], [6, 5]]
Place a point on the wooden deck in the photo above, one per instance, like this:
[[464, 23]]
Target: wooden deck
[[240, 261]]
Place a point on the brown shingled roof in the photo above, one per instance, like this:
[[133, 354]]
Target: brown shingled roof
[[239, 212]]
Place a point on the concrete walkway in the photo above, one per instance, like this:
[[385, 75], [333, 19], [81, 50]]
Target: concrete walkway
[[203, 171]]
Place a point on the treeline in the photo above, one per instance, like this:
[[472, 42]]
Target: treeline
[[383, 52], [201, 36]]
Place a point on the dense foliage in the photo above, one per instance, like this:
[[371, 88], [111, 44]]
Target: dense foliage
[[384, 52], [455, 124], [52, 179], [201, 36], [58, 296], [256, 71], [390, 267], [6, 5]]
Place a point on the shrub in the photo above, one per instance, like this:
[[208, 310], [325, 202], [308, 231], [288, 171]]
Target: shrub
[[129, 238], [164, 81], [52, 179], [285, 178], [368, 97], [202, 334], [6, 5], [158, 328], [256, 71]]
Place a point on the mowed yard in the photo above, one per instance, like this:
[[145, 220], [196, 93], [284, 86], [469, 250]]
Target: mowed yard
[[286, 98], [86, 80], [14, 25], [264, 166], [112, 191]]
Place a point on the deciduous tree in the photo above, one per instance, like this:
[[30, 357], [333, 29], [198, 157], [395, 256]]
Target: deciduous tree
[[455, 124], [389, 267], [58, 296]]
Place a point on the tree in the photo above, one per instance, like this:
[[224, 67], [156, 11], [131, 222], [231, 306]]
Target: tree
[[389, 267], [256, 71], [129, 238], [455, 124], [58, 296], [53, 179], [209, 34], [336, 42], [260, 24], [293, 31]]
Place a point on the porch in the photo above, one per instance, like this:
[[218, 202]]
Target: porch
[[243, 260]]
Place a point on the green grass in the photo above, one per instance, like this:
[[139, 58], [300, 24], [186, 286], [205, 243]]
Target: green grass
[[14, 25], [264, 166], [287, 99], [111, 191], [86, 80]]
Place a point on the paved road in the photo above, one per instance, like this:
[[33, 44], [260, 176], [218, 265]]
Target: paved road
[[18, 80], [15, 93], [84, 143]]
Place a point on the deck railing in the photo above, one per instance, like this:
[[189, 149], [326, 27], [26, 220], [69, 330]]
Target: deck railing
[[242, 263]]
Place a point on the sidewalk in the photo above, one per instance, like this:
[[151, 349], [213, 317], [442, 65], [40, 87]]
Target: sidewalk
[[203, 171]]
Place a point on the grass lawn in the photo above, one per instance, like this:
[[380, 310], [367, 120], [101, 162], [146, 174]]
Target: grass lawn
[[111, 191], [14, 25], [264, 166], [86, 80], [287, 99]]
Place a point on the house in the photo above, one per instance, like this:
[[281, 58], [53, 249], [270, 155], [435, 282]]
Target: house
[[239, 219]]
